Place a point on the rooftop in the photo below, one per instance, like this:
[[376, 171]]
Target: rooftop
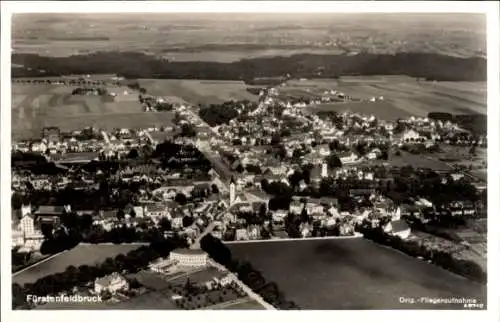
[[188, 251], [106, 280]]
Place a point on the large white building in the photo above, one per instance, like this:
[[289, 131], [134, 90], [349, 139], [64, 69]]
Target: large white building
[[410, 136], [189, 257], [161, 265], [110, 283], [27, 225]]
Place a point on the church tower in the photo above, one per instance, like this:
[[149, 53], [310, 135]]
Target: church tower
[[232, 191], [324, 170]]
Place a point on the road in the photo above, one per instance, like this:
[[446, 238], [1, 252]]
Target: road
[[218, 164]]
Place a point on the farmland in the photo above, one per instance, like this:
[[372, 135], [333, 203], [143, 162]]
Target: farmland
[[198, 91], [80, 255], [35, 106], [204, 37], [338, 274], [403, 96]]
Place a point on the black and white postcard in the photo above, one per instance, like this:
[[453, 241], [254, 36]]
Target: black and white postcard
[[328, 157]]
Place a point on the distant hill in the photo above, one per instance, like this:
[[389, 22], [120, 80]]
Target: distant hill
[[139, 65]]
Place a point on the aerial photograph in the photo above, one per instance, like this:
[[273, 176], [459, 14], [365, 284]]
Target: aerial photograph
[[249, 161]]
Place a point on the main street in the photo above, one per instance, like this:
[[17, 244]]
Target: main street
[[215, 159]]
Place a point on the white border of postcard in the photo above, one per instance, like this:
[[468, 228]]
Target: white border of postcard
[[490, 8]]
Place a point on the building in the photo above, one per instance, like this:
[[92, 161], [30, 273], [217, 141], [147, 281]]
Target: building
[[232, 191], [189, 257], [296, 207], [17, 238], [242, 234], [398, 228], [223, 281], [410, 136], [27, 225], [111, 283], [348, 157], [315, 175], [279, 216], [161, 265], [324, 170]]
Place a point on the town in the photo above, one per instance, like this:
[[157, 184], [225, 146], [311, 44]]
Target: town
[[240, 172]]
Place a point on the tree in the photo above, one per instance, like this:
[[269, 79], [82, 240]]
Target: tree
[[188, 130], [334, 145], [275, 139], [106, 295], [120, 214], [239, 168], [281, 151], [333, 161], [133, 154], [165, 224], [180, 198], [132, 213], [18, 297], [295, 178], [262, 210], [187, 221], [17, 200], [304, 217], [215, 189]]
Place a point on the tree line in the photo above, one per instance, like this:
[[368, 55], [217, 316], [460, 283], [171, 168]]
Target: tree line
[[135, 65], [444, 259]]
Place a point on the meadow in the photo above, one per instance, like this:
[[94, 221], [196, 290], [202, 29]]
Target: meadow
[[83, 254], [338, 275]]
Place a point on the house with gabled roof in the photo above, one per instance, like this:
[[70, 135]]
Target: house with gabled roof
[[111, 283]]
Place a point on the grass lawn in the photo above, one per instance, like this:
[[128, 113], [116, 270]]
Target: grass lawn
[[80, 255], [353, 274]]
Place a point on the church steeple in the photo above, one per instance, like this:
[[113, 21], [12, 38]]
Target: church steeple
[[232, 191]]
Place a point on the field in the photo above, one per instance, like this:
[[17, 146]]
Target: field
[[35, 106], [414, 160], [418, 161], [353, 274], [383, 110], [80, 255], [203, 37], [198, 91], [403, 96]]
